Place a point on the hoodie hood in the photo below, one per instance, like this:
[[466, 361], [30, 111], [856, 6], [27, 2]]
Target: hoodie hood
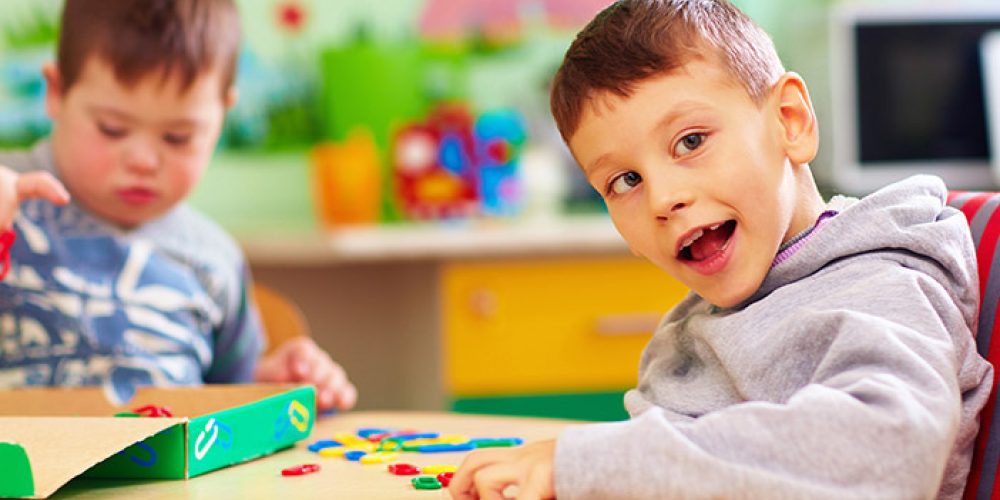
[[903, 221]]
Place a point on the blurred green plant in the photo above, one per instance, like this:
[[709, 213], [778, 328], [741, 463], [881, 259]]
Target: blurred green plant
[[39, 28]]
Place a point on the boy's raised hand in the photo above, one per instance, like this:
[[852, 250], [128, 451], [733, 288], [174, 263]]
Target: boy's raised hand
[[487, 473], [300, 360], [15, 188]]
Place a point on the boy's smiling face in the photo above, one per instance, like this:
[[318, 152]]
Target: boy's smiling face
[[131, 153], [697, 177]]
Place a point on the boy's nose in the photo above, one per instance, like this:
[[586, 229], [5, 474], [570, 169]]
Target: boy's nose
[[665, 202], [142, 159]]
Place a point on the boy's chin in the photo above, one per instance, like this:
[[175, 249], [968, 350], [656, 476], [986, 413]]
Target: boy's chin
[[724, 298], [133, 220]]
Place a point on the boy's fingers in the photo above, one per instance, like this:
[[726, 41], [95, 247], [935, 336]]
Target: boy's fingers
[[335, 389], [298, 359], [300, 368], [537, 486], [348, 396], [492, 480], [41, 185], [331, 375], [270, 370], [461, 483], [7, 211], [461, 486]]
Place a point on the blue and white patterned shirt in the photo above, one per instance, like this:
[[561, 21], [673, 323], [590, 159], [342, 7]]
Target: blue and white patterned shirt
[[87, 303]]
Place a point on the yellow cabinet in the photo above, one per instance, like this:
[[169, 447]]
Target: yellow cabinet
[[556, 325]]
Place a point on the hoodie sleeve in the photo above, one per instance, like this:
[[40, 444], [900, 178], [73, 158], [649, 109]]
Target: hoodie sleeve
[[876, 414]]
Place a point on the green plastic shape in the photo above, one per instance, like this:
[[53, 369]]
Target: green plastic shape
[[426, 483]]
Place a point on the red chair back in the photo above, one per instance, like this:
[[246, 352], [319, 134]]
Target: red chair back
[[983, 213]]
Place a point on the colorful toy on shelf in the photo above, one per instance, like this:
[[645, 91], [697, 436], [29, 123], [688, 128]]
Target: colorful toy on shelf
[[347, 180], [451, 167], [500, 136], [434, 165]]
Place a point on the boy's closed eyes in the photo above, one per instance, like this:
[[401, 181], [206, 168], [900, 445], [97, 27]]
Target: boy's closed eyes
[[115, 124]]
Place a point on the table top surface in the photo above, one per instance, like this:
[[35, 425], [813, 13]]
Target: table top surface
[[338, 478]]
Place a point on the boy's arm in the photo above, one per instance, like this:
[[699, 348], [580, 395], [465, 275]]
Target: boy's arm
[[878, 420], [239, 340]]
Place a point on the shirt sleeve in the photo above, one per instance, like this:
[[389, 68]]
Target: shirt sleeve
[[239, 340], [878, 419]]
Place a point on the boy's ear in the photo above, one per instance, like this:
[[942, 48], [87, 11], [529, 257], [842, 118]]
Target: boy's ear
[[53, 89], [232, 95], [800, 133]]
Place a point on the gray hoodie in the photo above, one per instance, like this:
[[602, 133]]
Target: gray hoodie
[[850, 373]]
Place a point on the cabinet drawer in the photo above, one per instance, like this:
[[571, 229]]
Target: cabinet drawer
[[560, 325]]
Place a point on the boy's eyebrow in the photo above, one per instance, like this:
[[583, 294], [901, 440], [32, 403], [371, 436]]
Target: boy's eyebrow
[[104, 110], [122, 115], [679, 110]]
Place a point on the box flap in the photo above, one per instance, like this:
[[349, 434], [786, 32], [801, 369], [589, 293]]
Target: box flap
[[61, 448], [50, 401]]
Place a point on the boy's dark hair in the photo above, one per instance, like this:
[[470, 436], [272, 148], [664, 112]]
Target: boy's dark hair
[[139, 37], [632, 40]]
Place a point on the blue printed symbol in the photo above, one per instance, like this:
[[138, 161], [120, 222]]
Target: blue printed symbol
[[141, 462], [226, 438]]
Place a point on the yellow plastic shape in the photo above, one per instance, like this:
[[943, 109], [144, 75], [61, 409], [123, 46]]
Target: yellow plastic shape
[[437, 469], [379, 457]]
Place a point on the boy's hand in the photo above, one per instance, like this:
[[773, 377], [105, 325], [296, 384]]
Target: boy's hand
[[15, 188], [301, 360], [487, 473]]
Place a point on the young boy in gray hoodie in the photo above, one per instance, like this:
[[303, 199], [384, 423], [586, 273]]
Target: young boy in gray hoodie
[[826, 349]]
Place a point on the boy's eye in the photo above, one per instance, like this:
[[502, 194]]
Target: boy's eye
[[111, 131], [689, 143], [625, 182], [177, 139]]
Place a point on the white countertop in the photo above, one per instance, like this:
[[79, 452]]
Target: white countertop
[[568, 235]]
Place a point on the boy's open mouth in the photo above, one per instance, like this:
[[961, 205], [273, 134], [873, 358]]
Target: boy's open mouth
[[706, 242]]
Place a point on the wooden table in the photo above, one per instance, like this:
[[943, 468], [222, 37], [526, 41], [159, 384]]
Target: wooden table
[[339, 478]]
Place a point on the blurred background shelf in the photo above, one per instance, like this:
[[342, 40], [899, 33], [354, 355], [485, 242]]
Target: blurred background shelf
[[576, 235]]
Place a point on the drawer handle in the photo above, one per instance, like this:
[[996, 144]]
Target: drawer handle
[[616, 325], [483, 303]]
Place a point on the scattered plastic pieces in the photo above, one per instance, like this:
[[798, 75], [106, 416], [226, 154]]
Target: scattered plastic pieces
[[153, 411], [380, 457], [365, 432], [323, 443], [496, 442], [445, 478], [404, 469], [300, 470], [426, 483], [437, 469], [445, 448], [332, 452]]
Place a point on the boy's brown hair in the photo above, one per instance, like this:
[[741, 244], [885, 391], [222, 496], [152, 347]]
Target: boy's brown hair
[[140, 37], [632, 40]]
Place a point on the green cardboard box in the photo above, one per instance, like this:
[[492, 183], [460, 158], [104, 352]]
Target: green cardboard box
[[50, 435]]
